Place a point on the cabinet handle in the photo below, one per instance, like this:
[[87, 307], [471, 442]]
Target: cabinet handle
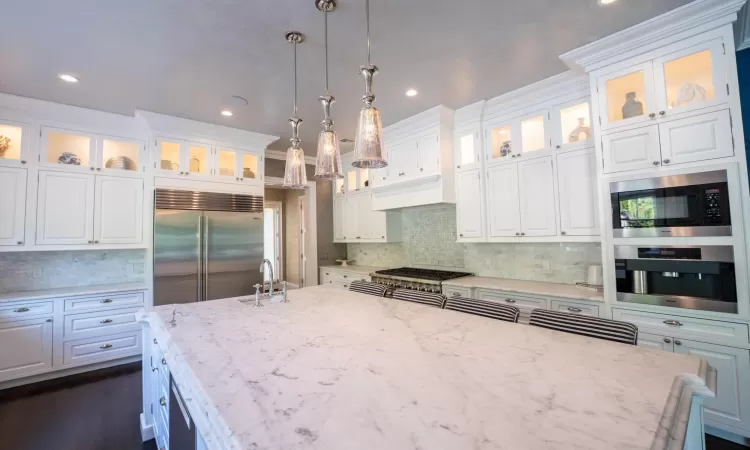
[[512, 156], [666, 161], [21, 310], [661, 113], [421, 169], [656, 163], [105, 346], [518, 234], [91, 168], [461, 235], [109, 300], [91, 242], [518, 155], [106, 321], [667, 341], [458, 167], [164, 361], [558, 146], [96, 242], [163, 401], [455, 294], [652, 115], [48, 320], [154, 369], [563, 233], [676, 323], [384, 178], [19, 242], [155, 341], [575, 310], [523, 234], [346, 276], [98, 168], [327, 273], [677, 343], [23, 162], [509, 300]]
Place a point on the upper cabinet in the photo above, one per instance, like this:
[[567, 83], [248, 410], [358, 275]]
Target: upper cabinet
[[181, 158], [14, 143], [12, 206], [571, 125], [88, 152]]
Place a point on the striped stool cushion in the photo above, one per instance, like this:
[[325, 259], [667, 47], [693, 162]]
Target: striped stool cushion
[[365, 287], [483, 308], [426, 298], [610, 330]]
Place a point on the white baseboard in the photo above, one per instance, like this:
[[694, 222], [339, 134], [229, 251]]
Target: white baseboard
[[727, 435], [147, 432], [65, 372]]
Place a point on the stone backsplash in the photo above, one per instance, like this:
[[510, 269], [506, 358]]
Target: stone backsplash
[[30, 271], [429, 242]]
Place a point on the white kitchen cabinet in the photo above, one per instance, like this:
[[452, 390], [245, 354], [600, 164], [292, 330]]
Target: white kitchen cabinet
[[469, 205], [118, 211], [15, 137], [467, 148], [12, 205], [656, 342], [362, 210], [339, 203], [503, 201], [428, 154], [403, 161], [25, 347], [65, 209], [355, 221], [202, 160], [577, 187], [697, 138], [626, 96], [730, 407], [82, 151], [631, 149], [537, 199], [571, 125]]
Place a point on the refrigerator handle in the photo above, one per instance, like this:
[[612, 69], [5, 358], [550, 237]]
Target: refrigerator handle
[[199, 255], [204, 269]]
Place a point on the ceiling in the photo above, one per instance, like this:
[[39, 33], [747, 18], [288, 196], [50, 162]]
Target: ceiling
[[186, 58]]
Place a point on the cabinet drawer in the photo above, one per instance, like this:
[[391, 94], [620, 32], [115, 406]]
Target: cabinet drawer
[[450, 291], [574, 307], [523, 303], [99, 323], [20, 311], [101, 349], [104, 301], [671, 325]]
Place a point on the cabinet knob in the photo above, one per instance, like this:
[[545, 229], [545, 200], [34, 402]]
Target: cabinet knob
[[48, 320], [523, 234], [677, 343], [91, 168], [518, 234], [346, 276], [23, 161], [155, 341], [242, 179], [164, 361], [384, 178], [656, 163], [509, 300], [96, 242], [563, 233], [98, 168], [163, 401], [652, 115], [667, 341], [512, 156], [105, 346], [421, 169], [518, 155], [91, 242], [19, 242], [106, 321], [21, 310], [461, 235], [109, 300], [458, 167], [456, 294], [558, 146], [661, 113], [666, 161]]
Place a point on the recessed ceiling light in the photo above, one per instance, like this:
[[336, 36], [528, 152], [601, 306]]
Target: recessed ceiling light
[[227, 113], [606, 2], [411, 92], [68, 78]]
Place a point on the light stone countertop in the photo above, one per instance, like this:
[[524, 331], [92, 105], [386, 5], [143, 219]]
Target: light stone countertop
[[527, 287], [364, 270], [334, 369], [71, 291]]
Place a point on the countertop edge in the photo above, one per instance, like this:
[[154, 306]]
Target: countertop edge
[[215, 432]]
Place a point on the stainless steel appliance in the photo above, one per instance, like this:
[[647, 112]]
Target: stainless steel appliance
[[693, 277], [694, 204], [411, 278], [182, 433], [206, 245]]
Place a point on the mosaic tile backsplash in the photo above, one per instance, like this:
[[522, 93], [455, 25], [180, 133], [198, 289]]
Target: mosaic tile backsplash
[[30, 271], [429, 242]]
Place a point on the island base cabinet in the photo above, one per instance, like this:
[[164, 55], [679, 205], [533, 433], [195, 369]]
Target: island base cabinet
[[25, 347]]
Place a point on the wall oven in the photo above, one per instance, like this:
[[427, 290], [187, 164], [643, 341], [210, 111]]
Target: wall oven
[[693, 277], [694, 204]]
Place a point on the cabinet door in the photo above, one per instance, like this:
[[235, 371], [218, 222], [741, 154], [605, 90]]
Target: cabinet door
[[363, 210], [428, 148], [503, 141], [117, 155], [706, 136], [732, 366], [534, 135], [25, 348], [69, 150], [537, 194], [65, 208], [571, 125], [12, 206], [691, 78], [118, 212], [503, 201], [576, 176], [199, 158], [402, 161], [225, 163], [656, 342], [631, 150], [338, 218], [469, 204], [626, 97], [14, 143], [351, 221], [170, 156], [467, 145]]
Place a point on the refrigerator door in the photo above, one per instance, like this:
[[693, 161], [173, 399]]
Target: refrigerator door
[[177, 257], [233, 252]]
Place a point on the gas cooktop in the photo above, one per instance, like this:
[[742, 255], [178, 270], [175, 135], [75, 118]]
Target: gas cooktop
[[421, 274]]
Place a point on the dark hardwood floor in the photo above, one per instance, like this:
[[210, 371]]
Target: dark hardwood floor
[[97, 411]]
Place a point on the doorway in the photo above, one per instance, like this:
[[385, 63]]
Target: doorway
[[273, 235]]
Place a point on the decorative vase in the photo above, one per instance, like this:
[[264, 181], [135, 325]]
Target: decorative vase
[[70, 159], [506, 148], [581, 129], [632, 107], [4, 145]]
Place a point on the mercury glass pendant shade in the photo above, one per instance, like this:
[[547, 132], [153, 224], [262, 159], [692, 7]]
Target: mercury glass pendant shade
[[294, 173], [368, 143], [328, 161]]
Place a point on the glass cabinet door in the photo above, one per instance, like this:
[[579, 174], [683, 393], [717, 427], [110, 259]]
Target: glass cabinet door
[[350, 175], [119, 154], [572, 127], [227, 163], [169, 155], [626, 96], [69, 148], [250, 167], [363, 178], [338, 186], [533, 134], [467, 149], [502, 141], [13, 142], [198, 159], [691, 78]]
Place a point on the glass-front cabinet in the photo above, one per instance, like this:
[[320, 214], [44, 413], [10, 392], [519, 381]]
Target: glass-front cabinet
[[527, 136], [502, 140], [14, 143], [185, 158], [571, 125], [80, 151], [116, 154], [533, 133], [681, 81], [467, 148]]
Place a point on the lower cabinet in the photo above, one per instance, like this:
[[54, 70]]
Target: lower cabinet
[[340, 278], [12, 206], [25, 347]]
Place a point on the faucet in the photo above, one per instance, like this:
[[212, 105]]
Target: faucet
[[270, 269]]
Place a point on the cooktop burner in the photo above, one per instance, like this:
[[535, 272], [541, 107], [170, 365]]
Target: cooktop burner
[[423, 274]]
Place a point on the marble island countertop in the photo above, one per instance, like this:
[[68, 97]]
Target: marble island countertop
[[333, 369], [527, 287]]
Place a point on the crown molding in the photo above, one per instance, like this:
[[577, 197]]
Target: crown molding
[[697, 16], [276, 154], [437, 116], [742, 29]]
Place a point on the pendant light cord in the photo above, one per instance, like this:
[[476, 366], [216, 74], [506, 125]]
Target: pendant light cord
[[295, 79], [325, 25], [367, 16]]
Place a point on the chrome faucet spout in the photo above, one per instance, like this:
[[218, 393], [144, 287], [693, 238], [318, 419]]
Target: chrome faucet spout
[[270, 271]]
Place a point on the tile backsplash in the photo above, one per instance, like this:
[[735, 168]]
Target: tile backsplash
[[429, 242], [29, 271]]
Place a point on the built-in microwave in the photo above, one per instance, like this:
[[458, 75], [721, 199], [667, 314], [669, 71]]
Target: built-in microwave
[[694, 204]]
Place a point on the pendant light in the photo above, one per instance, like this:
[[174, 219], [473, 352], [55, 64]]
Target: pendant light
[[368, 144], [328, 161], [295, 175]]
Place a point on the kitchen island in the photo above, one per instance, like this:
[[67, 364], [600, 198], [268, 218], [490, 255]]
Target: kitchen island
[[333, 369]]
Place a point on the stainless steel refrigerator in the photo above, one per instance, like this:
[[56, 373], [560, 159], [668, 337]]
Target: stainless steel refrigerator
[[206, 245]]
